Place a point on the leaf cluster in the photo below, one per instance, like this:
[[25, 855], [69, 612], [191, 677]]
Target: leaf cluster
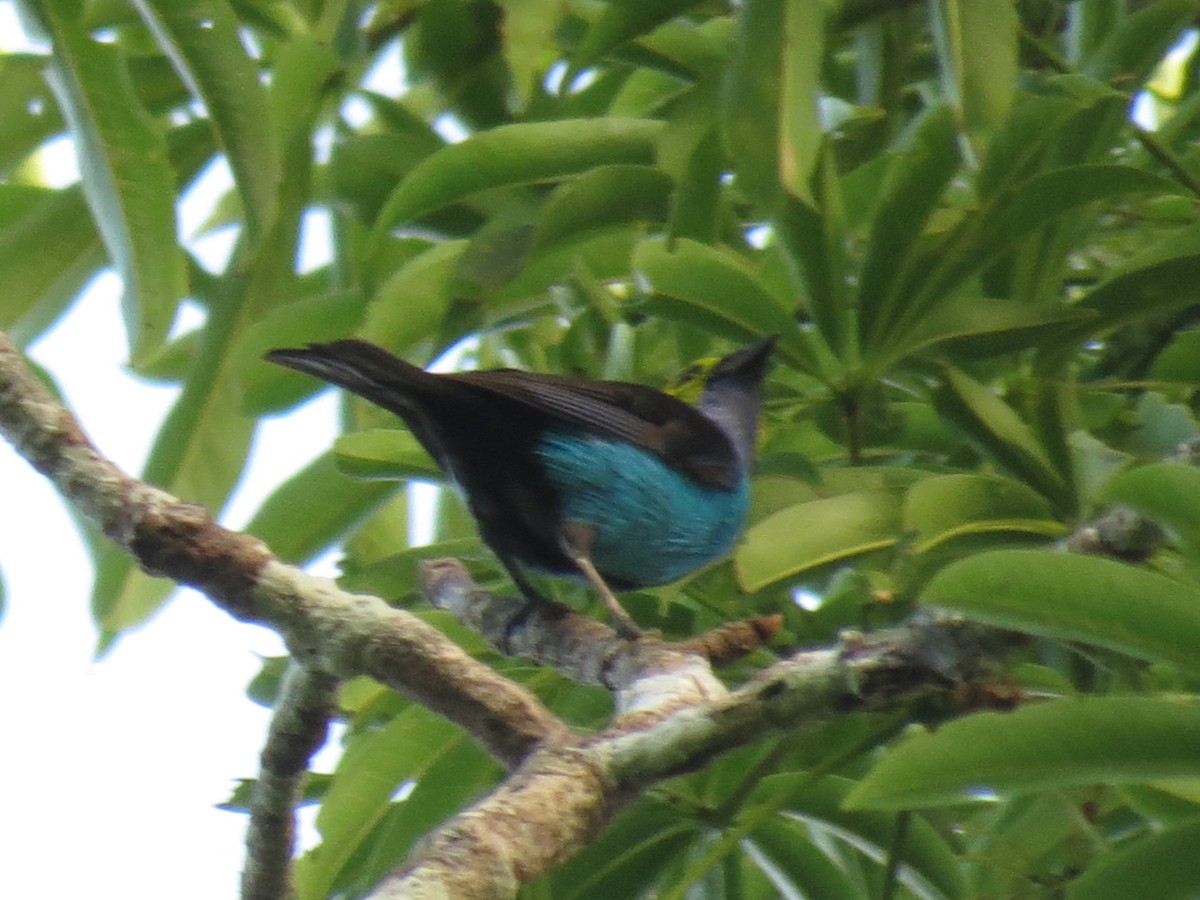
[[980, 261]]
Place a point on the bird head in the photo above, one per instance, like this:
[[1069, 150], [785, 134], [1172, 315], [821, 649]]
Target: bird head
[[732, 395]]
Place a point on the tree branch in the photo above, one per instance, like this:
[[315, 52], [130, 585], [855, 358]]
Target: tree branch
[[645, 674], [564, 794], [326, 629], [298, 729]]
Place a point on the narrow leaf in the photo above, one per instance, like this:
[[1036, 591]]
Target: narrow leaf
[[603, 196], [127, 177], [980, 240], [201, 39], [529, 46], [750, 100], [999, 430], [1130, 50], [313, 509], [976, 327], [1076, 598], [27, 108], [1062, 743], [517, 154], [913, 187], [621, 22], [977, 51], [800, 132], [813, 241], [373, 767], [384, 453], [816, 533], [724, 289], [1160, 865], [48, 249]]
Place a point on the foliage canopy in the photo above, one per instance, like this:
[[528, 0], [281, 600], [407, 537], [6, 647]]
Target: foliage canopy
[[983, 269]]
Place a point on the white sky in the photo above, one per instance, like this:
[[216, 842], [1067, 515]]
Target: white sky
[[113, 768]]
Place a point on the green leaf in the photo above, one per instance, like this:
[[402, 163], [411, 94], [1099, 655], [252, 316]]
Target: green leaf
[[127, 177], [977, 49], [686, 47], [27, 109], [1076, 598], [816, 533], [1130, 51], [1180, 360], [724, 289], [313, 509], [620, 22], [813, 242], [372, 768], [604, 252], [1165, 492], [1061, 743], [1089, 24], [1024, 209], [604, 196], [789, 849], [1161, 278], [268, 388], [384, 453], [913, 187], [629, 856], [1000, 431], [529, 45], [202, 445], [456, 778], [49, 248], [928, 865], [366, 167], [200, 464], [696, 205], [800, 133], [494, 256], [411, 304], [942, 507], [979, 328], [750, 100], [201, 39], [523, 153], [1160, 865]]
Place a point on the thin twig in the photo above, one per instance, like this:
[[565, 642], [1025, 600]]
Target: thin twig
[[298, 729]]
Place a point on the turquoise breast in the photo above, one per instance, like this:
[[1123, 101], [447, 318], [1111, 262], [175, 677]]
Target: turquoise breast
[[653, 524]]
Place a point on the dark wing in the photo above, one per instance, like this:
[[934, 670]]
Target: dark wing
[[664, 425], [680, 435]]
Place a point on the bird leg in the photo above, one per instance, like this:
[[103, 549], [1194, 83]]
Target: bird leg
[[577, 541], [533, 599]]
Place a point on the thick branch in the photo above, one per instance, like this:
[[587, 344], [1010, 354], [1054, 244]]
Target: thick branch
[[863, 672], [646, 673], [564, 795], [326, 628], [298, 729]]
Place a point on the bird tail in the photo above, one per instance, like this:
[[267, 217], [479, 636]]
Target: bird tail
[[361, 368]]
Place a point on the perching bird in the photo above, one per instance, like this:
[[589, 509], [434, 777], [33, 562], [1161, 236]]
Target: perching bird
[[619, 482]]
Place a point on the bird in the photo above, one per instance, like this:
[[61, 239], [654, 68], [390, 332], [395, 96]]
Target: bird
[[611, 482]]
